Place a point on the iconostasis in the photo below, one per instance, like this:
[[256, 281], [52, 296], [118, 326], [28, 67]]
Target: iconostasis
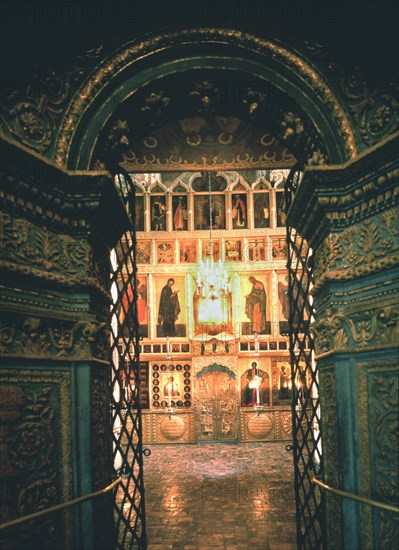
[[208, 345]]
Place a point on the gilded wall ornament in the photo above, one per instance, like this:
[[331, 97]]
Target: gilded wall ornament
[[35, 337], [365, 248], [357, 329], [22, 242]]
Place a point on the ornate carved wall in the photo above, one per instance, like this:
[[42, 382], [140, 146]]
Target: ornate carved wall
[[55, 440], [351, 221]]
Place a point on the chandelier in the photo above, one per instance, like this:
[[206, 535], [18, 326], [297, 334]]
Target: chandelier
[[212, 280]]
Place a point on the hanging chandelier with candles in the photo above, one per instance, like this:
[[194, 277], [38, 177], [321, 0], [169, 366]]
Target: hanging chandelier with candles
[[212, 280]]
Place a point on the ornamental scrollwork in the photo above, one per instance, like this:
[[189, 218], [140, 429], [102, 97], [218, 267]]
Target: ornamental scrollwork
[[35, 337], [338, 332], [384, 406], [367, 247], [35, 426], [328, 398], [329, 334], [131, 52], [29, 443], [24, 243], [7, 335], [32, 115]]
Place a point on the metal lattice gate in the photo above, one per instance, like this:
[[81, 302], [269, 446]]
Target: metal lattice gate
[[307, 446], [129, 509]]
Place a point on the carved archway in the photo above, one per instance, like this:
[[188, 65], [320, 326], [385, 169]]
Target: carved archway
[[136, 64]]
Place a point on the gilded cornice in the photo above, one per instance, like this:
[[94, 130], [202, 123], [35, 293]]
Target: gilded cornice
[[130, 54]]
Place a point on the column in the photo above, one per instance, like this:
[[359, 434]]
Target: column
[[349, 216], [56, 441]]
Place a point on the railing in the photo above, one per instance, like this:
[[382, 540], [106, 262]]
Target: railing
[[352, 496], [62, 506]]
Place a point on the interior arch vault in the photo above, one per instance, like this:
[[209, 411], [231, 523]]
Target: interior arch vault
[[137, 90]]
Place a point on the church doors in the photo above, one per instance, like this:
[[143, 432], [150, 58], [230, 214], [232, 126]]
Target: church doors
[[217, 407]]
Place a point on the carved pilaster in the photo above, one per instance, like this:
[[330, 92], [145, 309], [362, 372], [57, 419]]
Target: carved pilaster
[[54, 343], [349, 216]]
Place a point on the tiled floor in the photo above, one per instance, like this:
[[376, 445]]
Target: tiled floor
[[230, 496]]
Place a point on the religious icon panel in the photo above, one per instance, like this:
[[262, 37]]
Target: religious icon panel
[[209, 213], [283, 301], [212, 310], [125, 312], [158, 213], [232, 250], [188, 251], [257, 250], [261, 210], [239, 211], [170, 299], [165, 252], [211, 250], [279, 248], [254, 386], [180, 212], [143, 252], [280, 207], [138, 212], [255, 304], [282, 381]]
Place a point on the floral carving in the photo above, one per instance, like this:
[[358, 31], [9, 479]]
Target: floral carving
[[24, 243], [328, 400], [38, 338], [292, 126], [7, 335], [379, 119], [357, 329], [32, 115], [384, 419], [330, 334], [364, 248], [30, 443]]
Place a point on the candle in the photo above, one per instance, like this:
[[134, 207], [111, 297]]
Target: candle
[[169, 387], [257, 395]]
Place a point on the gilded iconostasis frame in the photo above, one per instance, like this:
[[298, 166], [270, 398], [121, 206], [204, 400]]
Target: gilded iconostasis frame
[[244, 229]]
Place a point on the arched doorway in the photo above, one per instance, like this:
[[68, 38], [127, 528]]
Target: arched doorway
[[89, 118], [126, 119]]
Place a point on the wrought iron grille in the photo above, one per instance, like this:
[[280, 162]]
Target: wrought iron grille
[[129, 508], [306, 414]]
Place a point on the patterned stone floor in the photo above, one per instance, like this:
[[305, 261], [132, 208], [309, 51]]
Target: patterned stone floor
[[230, 496]]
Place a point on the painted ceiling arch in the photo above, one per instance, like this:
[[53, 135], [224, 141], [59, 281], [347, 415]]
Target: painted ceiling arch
[[119, 77]]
